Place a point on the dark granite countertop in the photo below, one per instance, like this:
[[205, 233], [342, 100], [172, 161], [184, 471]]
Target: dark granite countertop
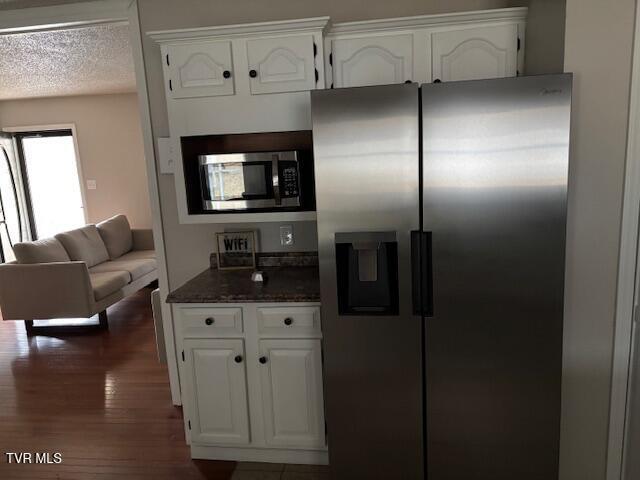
[[284, 284]]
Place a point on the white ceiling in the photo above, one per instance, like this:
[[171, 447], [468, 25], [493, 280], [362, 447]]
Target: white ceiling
[[87, 60]]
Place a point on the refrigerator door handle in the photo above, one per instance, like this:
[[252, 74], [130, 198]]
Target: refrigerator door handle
[[421, 273]]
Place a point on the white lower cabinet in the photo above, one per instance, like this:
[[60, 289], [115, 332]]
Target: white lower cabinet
[[251, 378], [291, 377], [216, 380]]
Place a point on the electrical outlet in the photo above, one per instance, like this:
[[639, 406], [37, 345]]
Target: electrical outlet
[[92, 185], [286, 235]]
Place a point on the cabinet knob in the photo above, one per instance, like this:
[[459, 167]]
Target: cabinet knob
[[238, 359], [288, 321], [226, 74], [437, 80], [262, 360], [209, 321], [253, 73]]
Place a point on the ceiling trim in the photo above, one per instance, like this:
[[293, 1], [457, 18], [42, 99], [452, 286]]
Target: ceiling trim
[[243, 29], [57, 27], [74, 14], [40, 128]]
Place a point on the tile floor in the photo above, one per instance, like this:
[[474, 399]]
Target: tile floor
[[278, 471]]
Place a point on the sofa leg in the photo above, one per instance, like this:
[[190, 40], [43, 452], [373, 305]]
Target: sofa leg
[[104, 321], [28, 325], [33, 330]]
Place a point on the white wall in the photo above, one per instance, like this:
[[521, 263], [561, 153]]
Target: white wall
[[598, 46], [110, 145], [544, 48]]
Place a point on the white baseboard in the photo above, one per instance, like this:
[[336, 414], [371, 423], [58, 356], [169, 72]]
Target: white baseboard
[[269, 455]]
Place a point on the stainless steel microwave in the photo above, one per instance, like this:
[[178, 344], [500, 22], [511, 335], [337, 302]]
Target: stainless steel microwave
[[249, 172], [250, 181]]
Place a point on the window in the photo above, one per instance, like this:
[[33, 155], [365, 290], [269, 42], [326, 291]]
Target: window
[[53, 193]]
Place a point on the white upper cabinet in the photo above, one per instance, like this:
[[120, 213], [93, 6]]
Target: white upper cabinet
[[376, 60], [243, 60], [457, 46], [282, 64], [475, 53], [301, 55], [291, 378], [199, 69]]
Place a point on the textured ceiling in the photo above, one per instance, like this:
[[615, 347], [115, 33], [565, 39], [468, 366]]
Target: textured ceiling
[[78, 61]]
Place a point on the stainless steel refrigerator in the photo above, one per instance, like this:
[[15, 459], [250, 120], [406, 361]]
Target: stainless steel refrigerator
[[441, 224]]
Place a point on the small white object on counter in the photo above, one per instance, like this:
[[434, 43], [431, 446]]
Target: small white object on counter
[[258, 276]]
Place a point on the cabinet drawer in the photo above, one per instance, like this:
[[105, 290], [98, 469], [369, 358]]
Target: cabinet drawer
[[211, 322], [289, 321]]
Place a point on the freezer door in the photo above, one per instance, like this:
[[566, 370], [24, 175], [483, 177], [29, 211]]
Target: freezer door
[[495, 158], [366, 149]]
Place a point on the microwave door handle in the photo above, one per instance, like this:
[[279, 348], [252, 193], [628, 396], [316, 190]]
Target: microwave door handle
[[205, 183], [275, 180]]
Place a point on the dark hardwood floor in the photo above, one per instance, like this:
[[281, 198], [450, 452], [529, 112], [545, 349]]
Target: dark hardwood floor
[[101, 399]]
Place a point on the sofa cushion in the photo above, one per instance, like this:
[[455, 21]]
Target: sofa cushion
[[136, 254], [46, 250], [116, 235], [133, 262], [106, 283], [85, 245]]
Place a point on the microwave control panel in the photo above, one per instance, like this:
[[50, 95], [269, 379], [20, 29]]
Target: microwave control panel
[[289, 186]]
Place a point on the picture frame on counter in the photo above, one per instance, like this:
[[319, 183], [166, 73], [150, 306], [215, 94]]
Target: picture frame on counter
[[236, 250]]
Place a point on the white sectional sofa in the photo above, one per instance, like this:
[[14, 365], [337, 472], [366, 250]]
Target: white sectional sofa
[[78, 273]]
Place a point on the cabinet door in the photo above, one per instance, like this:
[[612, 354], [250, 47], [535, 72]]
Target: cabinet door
[[475, 53], [217, 391], [291, 377], [284, 64], [372, 60], [199, 69]]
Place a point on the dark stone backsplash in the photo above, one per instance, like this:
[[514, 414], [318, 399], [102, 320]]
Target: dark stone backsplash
[[278, 259]]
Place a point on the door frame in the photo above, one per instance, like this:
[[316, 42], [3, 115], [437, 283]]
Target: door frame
[[628, 284], [49, 130], [112, 11], [21, 204]]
